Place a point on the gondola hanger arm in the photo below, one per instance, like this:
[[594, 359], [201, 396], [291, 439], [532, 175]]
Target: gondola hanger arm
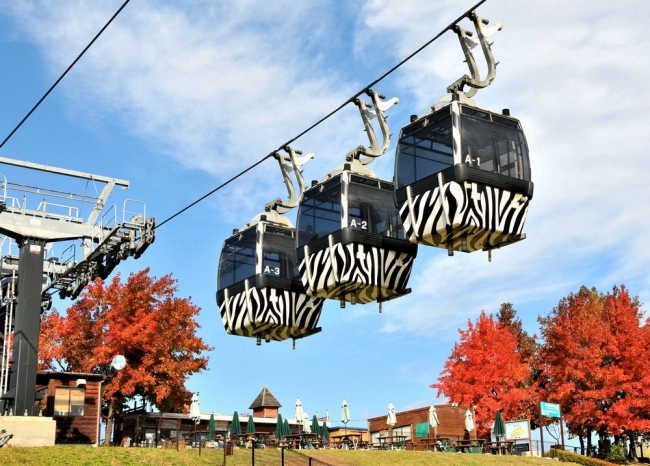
[[288, 164], [368, 112], [467, 43]]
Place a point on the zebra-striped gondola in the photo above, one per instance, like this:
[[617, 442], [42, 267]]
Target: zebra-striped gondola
[[463, 179], [258, 295]]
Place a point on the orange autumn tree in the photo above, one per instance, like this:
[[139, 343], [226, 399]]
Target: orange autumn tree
[[141, 320], [594, 364], [486, 369]]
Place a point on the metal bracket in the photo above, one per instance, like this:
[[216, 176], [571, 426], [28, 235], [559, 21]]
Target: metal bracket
[[367, 114], [467, 43], [289, 164]]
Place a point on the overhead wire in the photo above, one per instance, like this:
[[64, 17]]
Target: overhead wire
[[64, 73], [329, 115], [281, 147]]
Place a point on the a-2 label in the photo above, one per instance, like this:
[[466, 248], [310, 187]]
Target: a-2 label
[[363, 224]]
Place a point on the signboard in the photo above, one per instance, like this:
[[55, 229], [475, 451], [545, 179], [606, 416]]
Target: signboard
[[550, 409], [518, 430]]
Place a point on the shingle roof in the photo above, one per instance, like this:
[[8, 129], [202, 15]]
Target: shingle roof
[[265, 400]]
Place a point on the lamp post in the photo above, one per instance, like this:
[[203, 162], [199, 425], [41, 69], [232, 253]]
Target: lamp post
[[117, 364]]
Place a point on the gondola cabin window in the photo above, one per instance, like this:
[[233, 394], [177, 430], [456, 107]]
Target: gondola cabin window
[[371, 208], [320, 213], [69, 401], [278, 252], [494, 144], [237, 259], [425, 148]]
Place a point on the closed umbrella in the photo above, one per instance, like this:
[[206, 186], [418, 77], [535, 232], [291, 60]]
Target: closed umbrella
[[345, 413], [235, 426], [499, 426], [212, 432], [306, 426], [250, 425], [300, 413], [279, 428], [195, 412], [195, 415], [315, 428], [433, 421], [325, 432], [391, 420], [287, 428], [469, 421]]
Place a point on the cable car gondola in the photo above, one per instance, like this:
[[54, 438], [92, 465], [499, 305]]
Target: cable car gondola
[[463, 176], [260, 294], [351, 244]]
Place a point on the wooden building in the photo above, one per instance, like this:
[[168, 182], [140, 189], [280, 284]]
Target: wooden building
[[410, 424], [73, 400], [149, 429], [265, 405]]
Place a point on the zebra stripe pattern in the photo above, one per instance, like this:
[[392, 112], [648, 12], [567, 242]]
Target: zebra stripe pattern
[[281, 314], [483, 216], [355, 272]]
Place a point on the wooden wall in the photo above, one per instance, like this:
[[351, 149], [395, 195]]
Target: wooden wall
[[452, 423], [73, 429]]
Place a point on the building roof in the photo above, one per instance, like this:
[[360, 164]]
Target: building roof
[[265, 400]]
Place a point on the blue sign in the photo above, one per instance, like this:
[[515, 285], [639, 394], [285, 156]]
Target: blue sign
[[550, 409]]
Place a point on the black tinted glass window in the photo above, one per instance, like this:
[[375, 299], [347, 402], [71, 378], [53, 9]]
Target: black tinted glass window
[[278, 255], [424, 152], [373, 210], [320, 214], [237, 259], [494, 147]]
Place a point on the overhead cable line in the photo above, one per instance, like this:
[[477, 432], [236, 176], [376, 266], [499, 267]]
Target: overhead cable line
[[64, 73], [329, 115]]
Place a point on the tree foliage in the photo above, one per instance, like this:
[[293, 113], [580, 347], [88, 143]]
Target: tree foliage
[[488, 369], [594, 362], [140, 319]]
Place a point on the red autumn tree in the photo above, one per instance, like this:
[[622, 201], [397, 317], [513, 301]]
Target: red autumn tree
[[593, 363], [141, 320], [487, 370]]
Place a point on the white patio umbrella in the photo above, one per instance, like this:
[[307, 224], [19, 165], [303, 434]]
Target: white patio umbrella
[[433, 417], [345, 413], [195, 415], [469, 421], [391, 420], [300, 413], [195, 412], [306, 424]]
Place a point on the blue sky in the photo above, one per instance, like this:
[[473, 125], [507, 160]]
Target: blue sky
[[178, 97]]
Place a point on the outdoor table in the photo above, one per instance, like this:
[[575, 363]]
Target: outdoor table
[[296, 440], [499, 446], [392, 441], [346, 440], [431, 441], [474, 446]]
